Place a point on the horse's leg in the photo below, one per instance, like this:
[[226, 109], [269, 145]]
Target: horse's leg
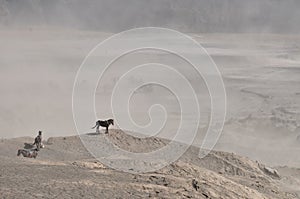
[[106, 132], [97, 129], [19, 152]]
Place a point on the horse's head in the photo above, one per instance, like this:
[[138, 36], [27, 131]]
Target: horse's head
[[110, 121]]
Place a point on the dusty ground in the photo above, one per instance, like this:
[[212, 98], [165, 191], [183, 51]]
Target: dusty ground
[[64, 169]]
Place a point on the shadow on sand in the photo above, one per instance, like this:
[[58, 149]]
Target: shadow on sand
[[94, 133], [28, 146]]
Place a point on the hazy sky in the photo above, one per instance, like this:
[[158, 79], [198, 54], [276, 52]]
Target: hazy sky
[[188, 15]]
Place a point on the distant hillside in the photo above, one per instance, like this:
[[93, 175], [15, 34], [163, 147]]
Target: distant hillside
[[185, 15]]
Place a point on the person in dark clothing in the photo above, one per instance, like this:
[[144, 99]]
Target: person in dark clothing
[[38, 141]]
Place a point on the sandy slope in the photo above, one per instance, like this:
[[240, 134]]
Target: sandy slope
[[64, 169]]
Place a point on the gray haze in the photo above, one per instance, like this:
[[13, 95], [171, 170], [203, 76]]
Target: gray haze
[[188, 15], [255, 43]]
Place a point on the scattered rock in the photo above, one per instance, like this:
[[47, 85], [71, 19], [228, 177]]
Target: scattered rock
[[195, 184], [269, 171]]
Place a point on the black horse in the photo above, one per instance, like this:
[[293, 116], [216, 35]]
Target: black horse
[[104, 123]]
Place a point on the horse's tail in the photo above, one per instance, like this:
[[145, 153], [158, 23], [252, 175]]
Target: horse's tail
[[19, 152], [94, 126]]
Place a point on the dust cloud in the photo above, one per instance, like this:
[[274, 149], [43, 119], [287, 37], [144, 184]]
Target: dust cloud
[[256, 45]]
